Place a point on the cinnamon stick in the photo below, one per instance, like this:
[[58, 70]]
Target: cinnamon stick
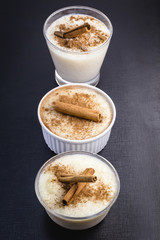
[[66, 175], [78, 178], [77, 111], [76, 188], [74, 32]]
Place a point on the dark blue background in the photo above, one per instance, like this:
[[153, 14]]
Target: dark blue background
[[130, 75]]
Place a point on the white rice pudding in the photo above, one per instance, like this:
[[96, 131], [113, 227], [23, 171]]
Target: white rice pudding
[[70, 127], [92, 199], [75, 59]]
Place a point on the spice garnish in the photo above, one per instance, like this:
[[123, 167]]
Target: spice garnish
[[76, 188], [74, 32], [77, 111], [77, 178]]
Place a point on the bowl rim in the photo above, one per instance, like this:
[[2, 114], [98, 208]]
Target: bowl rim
[[88, 140], [78, 7], [65, 217]]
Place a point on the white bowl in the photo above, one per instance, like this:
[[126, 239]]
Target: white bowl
[[77, 223], [93, 145]]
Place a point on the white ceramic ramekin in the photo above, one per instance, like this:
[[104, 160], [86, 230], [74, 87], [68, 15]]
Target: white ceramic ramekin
[[77, 223], [93, 145]]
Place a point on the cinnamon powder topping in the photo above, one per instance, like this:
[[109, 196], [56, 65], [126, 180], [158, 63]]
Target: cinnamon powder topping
[[89, 193], [84, 41], [72, 127]]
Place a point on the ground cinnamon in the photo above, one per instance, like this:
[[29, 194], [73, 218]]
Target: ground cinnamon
[[76, 188], [91, 37], [77, 111]]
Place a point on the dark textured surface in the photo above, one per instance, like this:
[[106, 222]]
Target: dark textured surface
[[130, 75]]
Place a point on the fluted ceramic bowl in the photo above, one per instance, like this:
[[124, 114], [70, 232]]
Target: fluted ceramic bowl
[[94, 145]]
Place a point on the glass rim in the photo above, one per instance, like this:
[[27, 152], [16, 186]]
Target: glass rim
[[78, 7], [65, 217]]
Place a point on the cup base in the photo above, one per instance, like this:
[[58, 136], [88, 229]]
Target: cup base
[[61, 81]]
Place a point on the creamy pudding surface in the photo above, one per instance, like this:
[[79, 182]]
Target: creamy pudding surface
[[93, 198], [70, 127], [83, 42]]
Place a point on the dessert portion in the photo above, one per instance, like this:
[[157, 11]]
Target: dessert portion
[[77, 33], [76, 112], [77, 185], [78, 44]]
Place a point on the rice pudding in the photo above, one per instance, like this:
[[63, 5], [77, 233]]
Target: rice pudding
[[71, 127], [94, 200], [78, 59], [84, 42]]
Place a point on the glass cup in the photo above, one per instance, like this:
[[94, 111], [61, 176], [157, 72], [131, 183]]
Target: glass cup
[[77, 223], [78, 67]]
